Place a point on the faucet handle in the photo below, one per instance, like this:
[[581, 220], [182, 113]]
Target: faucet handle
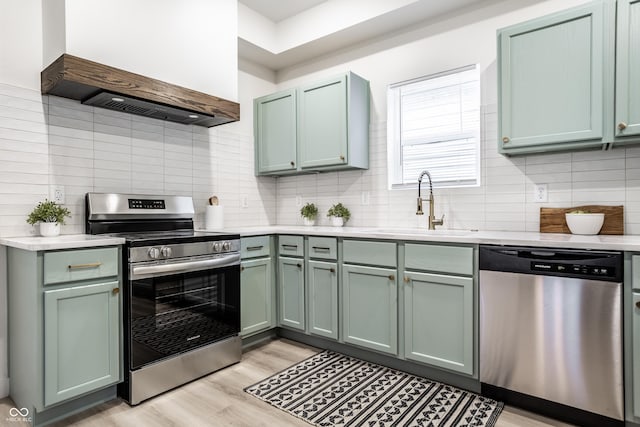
[[439, 221]]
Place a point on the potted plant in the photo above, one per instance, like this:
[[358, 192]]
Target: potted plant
[[309, 213], [50, 215], [339, 214]]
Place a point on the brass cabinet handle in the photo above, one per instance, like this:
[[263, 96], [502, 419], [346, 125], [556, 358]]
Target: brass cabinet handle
[[254, 248], [81, 266], [505, 139], [299, 265], [342, 158], [293, 163], [294, 247], [332, 270], [241, 268], [320, 249], [115, 291], [407, 280], [638, 304], [392, 277], [622, 125]]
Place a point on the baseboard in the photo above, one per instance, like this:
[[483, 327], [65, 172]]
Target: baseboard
[[4, 387]]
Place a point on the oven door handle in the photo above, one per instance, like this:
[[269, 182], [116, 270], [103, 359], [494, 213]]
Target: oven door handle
[[177, 267]]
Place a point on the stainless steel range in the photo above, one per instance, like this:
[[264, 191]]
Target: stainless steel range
[[182, 291]]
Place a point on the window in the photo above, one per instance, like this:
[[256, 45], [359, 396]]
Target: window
[[434, 124]]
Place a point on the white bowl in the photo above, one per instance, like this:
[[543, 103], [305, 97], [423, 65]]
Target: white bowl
[[584, 223]]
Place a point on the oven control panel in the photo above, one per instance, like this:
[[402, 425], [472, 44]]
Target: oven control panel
[[147, 204], [181, 250]]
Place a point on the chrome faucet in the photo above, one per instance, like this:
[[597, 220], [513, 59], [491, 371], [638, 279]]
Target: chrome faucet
[[432, 218]]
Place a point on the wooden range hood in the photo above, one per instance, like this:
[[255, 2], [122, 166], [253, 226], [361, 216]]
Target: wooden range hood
[[100, 85]]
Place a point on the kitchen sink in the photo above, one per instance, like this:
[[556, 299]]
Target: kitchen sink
[[420, 231]]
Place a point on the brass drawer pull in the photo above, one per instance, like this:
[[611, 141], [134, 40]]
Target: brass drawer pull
[[81, 266], [321, 249], [622, 125], [332, 270], [342, 158], [115, 291], [407, 280], [505, 139], [255, 248], [392, 277], [299, 265], [290, 247]]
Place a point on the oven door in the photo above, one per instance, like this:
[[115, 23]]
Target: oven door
[[181, 305]]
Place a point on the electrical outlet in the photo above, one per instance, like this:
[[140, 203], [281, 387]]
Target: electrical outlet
[[56, 194], [298, 200], [540, 193], [244, 202], [365, 198]]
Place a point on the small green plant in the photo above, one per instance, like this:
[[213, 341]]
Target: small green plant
[[309, 211], [340, 211], [48, 211]]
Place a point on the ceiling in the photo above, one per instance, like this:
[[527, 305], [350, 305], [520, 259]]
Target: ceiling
[[278, 10], [278, 34]]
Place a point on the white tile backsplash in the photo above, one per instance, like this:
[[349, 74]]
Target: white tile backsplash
[[51, 140]]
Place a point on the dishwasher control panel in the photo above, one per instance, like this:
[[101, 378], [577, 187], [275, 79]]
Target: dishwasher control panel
[[582, 269]]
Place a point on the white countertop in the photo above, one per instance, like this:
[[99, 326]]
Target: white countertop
[[603, 242], [64, 241], [620, 243]]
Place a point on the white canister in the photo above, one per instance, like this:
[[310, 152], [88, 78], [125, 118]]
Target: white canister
[[214, 217], [49, 229]]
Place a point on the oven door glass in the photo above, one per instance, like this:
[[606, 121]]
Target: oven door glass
[[179, 312]]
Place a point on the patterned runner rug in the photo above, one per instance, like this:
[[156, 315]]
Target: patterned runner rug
[[331, 389]]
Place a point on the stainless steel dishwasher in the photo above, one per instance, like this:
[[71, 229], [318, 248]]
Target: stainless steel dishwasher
[[551, 331]]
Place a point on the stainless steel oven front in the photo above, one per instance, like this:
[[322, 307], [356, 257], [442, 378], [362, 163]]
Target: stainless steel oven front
[[183, 315]]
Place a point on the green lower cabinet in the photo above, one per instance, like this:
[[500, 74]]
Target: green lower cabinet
[[291, 292], [370, 307], [635, 330], [439, 320], [81, 340], [256, 296], [323, 298]]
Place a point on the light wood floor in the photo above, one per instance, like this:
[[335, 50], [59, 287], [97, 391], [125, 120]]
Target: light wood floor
[[219, 399]]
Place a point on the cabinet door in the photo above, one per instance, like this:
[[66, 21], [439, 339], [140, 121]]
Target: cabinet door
[[323, 299], [552, 81], [291, 292], [628, 69], [322, 120], [439, 320], [635, 330], [256, 295], [275, 132], [370, 310], [81, 340]]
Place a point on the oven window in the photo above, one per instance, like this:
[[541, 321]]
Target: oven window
[[176, 313]]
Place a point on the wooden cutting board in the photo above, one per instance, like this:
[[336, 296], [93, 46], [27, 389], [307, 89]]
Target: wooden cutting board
[[552, 219]]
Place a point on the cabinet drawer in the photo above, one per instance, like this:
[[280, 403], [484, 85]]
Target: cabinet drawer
[[323, 248], [254, 247], [635, 271], [291, 245], [445, 259], [372, 253], [68, 266]]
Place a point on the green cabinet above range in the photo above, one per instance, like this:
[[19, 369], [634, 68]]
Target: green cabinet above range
[[566, 79], [322, 126]]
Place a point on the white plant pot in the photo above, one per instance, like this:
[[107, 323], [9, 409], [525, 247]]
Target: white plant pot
[[308, 222], [49, 229], [337, 221]]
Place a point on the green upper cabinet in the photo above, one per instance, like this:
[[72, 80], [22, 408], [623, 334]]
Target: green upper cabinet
[[627, 71], [275, 133], [326, 127], [556, 81], [333, 120]]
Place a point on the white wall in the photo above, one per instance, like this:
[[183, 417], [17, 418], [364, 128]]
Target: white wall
[[504, 201], [190, 43]]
